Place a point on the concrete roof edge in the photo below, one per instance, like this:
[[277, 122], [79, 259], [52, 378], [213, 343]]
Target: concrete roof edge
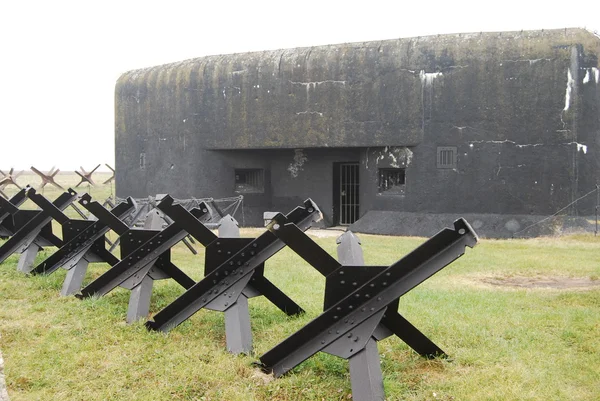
[[457, 36]]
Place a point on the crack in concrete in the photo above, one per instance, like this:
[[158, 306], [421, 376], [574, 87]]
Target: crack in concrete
[[310, 112], [508, 141], [315, 83], [580, 146]]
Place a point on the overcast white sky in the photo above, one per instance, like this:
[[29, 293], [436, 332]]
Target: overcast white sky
[[60, 59]]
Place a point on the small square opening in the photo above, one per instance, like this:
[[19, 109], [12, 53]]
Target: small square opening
[[392, 181], [249, 180]]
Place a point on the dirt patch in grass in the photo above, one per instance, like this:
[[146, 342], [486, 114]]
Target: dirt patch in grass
[[554, 282]]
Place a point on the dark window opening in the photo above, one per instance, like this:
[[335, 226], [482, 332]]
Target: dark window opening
[[142, 161], [446, 157], [392, 181], [250, 181]]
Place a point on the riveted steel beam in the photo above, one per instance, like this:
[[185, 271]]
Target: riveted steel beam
[[222, 286], [366, 303]]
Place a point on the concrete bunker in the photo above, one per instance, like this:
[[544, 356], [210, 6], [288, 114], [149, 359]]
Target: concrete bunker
[[396, 136]]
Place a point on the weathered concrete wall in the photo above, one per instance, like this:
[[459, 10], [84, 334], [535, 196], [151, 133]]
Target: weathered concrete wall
[[308, 173], [521, 108], [331, 96], [522, 111], [291, 176]]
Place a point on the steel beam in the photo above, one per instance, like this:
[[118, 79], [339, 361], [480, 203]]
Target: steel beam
[[335, 290], [366, 377], [341, 328], [238, 332], [139, 300]]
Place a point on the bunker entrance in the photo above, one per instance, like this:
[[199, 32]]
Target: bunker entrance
[[345, 193]]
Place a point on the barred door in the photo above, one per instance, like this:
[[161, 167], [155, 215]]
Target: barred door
[[349, 186]]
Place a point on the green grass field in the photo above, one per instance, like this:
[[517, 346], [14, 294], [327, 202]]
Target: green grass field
[[520, 320]]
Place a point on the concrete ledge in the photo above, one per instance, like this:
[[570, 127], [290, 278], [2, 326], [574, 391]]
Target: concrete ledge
[[486, 225]]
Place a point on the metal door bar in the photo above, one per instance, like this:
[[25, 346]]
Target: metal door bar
[[349, 193]]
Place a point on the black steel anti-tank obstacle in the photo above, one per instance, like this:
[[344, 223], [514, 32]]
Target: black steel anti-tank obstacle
[[361, 304], [145, 257], [83, 243], [33, 231], [234, 272], [220, 254]]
